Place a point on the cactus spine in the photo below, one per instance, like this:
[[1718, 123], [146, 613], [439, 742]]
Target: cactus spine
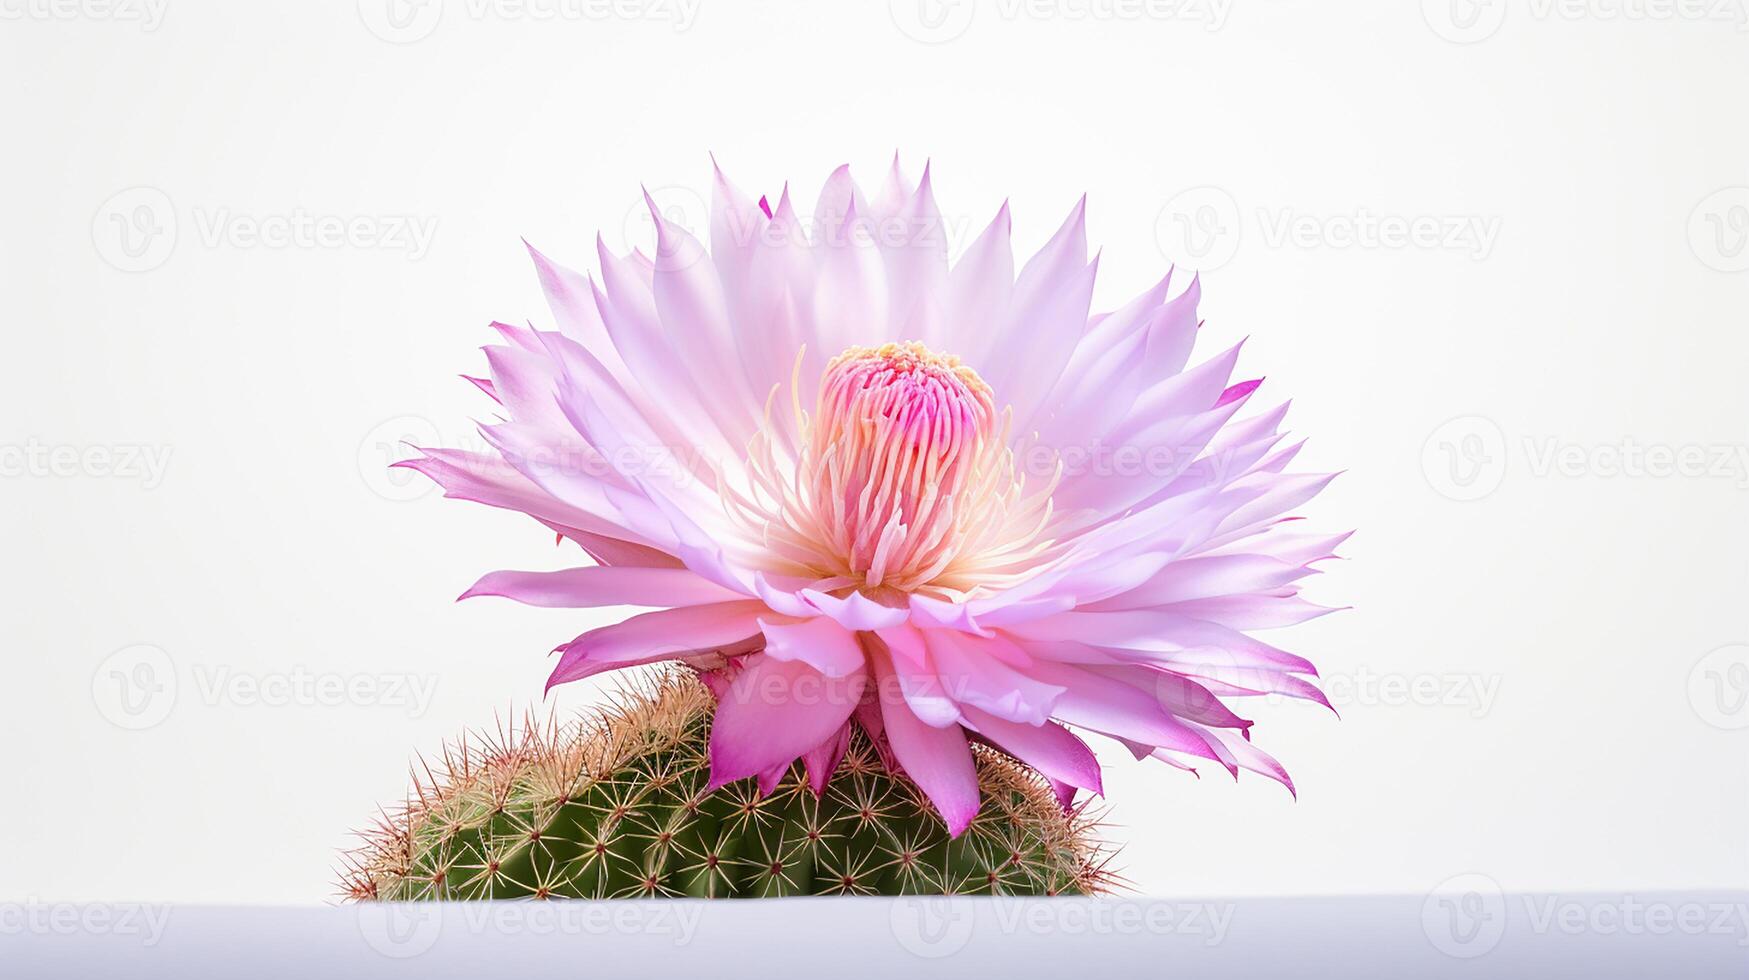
[[614, 807]]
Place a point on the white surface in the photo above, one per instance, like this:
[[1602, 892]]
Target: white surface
[[1695, 936], [1521, 682]]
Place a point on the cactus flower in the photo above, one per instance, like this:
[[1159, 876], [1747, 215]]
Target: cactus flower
[[857, 484]]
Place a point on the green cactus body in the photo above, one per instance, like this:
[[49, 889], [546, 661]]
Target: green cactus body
[[617, 808]]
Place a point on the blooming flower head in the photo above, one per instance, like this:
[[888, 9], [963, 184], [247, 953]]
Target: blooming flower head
[[858, 484]]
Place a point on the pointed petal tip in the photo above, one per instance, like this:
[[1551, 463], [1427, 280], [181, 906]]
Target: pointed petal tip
[[958, 822]]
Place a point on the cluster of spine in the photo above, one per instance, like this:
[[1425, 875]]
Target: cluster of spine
[[615, 807]]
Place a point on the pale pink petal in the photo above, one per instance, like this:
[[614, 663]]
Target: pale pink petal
[[662, 635], [582, 588], [1050, 748], [979, 291], [915, 675], [990, 673], [820, 643]]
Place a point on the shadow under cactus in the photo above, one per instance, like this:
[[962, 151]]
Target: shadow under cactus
[[614, 806]]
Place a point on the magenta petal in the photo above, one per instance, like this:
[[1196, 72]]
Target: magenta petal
[[1238, 391], [822, 760], [938, 760], [770, 778], [773, 712], [1064, 793]]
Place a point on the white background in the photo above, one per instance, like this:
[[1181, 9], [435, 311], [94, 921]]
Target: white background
[[1525, 682]]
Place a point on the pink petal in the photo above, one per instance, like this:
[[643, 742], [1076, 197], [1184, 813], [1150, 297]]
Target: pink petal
[[572, 302], [1110, 706], [661, 635], [978, 294], [582, 588], [775, 711], [820, 643], [1217, 575], [974, 673], [488, 479], [938, 760], [917, 680], [1050, 748], [822, 760]]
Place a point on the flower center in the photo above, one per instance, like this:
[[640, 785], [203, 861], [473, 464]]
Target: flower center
[[903, 445], [904, 480]]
